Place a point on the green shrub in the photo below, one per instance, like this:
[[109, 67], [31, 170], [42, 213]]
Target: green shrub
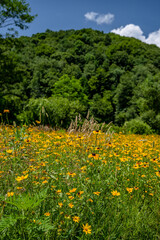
[[137, 126], [54, 111], [157, 124]]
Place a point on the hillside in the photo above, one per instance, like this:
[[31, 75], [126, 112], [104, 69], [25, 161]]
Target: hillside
[[54, 76]]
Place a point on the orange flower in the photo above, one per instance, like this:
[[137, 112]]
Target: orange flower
[[47, 214], [6, 111], [151, 194]]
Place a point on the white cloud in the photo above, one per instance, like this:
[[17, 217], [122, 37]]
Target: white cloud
[[135, 31], [100, 18], [105, 18], [130, 30], [91, 16], [154, 38]]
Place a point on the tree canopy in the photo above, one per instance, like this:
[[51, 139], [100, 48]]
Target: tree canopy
[[54, 76], [15, 13]]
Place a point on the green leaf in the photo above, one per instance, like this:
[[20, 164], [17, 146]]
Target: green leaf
[[28, 202]]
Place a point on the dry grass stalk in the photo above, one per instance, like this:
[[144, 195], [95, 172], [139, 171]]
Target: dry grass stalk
[[88, 126]]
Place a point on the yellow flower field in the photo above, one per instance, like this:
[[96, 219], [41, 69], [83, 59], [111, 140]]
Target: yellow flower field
[[59, 184]]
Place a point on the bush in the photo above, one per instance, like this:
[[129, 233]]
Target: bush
[[54, 111], [157, 124], [137, 126]]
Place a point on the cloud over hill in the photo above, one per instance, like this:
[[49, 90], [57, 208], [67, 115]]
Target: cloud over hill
[[135, 31]]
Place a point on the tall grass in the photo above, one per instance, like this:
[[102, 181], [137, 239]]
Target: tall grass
[[78, 184]]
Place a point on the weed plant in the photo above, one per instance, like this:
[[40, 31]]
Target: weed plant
[[78, 184]]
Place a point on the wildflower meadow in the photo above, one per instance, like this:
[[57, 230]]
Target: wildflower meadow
[[78, 185]]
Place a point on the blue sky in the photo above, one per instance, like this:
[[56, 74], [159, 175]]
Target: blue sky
[[135, 18]]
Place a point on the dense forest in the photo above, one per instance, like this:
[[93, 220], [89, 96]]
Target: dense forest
[[53, 77]]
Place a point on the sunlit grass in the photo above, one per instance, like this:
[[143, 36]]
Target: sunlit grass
[[61, 185]]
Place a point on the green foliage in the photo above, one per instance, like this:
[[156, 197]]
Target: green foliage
[[69, 88], [15, 13], [101, 107], [27, 202], [116, 78], [55, 111], [137, 126], [6, 224]]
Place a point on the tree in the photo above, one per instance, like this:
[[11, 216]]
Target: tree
[[101, 107], [15, 13]]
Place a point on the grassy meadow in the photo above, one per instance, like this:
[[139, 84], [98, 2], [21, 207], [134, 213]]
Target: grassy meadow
[[78, 185]]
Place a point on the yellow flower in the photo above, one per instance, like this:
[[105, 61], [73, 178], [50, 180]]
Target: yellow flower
[[6, 111], [158, 174], [47, 214], [136, 166], [45, 181], [58, 191], [60, 204], [76, 219], [115, 193], [71, 197], [10, 194], [151, 194], [70, 205], [72, 190], [96, 193], [80, 193], [38, 122], [21, 178], [87, 228], [9, 151], [97, 132], [93, 155], [71, 174], [68, 193], [83, 168], [129, 189]]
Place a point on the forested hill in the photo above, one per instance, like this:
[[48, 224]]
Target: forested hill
[[54, 76]]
